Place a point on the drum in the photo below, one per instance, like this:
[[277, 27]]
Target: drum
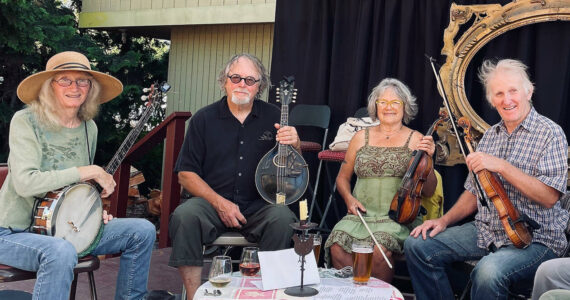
[[74, 213]]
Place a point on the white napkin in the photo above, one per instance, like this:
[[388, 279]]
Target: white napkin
[[282, 269]]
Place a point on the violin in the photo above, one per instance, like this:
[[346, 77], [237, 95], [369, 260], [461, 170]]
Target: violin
[[487, 184], [514, 225], [406, 204], [282, 175]]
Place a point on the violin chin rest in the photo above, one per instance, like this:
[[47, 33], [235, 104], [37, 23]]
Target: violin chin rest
[[532, 223], [423, 211]]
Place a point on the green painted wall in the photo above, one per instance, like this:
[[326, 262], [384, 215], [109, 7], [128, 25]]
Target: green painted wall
[[235, 14], [113, 5], [202, 39], [198, 53]]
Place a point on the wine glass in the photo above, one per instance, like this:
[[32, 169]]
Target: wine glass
[[220, 271], [249, 263]]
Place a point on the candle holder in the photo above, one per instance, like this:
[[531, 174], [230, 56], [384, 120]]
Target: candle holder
[[303, 246]]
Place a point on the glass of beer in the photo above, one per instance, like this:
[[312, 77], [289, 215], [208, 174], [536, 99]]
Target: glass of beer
[[220, 271], [249, 263], [317, 240], [361, 261]]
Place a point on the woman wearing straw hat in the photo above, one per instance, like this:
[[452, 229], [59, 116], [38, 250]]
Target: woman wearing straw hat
[[52, 145]]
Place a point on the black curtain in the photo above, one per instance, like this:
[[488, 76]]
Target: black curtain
[[339, 50]]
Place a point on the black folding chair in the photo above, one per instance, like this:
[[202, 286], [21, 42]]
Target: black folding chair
[[336, 157], [318, 116]]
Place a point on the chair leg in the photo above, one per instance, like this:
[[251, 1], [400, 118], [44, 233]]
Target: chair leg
[[331, 196], [73, 287], [92, 285], [227, 250], [314, 197], [466, 291]]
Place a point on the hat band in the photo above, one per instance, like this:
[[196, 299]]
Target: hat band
[[71, 65]]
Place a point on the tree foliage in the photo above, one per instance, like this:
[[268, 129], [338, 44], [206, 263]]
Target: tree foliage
[[30, 32], [33, 31]]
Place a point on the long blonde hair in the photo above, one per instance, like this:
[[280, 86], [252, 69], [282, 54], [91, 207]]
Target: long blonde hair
[[45, 108]]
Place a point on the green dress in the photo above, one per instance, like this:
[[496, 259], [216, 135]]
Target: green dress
[[379, 171]]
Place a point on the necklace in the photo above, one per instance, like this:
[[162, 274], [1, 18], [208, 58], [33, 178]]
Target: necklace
[[388, 136]]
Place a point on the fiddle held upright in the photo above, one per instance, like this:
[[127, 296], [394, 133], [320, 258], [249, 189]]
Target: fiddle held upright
[[406, 204], [516, 225]]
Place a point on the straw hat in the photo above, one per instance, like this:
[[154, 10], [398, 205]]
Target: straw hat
[[29, 88]]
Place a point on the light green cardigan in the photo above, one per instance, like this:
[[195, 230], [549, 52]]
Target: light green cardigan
[[40, 161]]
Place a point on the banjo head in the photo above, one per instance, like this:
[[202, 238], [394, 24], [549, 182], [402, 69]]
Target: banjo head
[[78, 216]]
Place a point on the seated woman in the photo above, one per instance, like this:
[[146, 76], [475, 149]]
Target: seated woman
[[379, 156], [52, 145]]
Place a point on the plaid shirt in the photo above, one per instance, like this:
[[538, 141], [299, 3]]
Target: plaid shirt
[[539, 148]]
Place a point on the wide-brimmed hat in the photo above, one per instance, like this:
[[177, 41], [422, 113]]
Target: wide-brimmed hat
[[29, 88]]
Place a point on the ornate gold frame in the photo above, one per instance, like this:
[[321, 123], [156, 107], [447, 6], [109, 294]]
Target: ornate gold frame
[[490, 21]]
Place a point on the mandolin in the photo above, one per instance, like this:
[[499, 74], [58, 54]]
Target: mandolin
[[282, 175]]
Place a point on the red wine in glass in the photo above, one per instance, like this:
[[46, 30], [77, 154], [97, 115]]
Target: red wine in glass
[[249, 262], [249, 269]]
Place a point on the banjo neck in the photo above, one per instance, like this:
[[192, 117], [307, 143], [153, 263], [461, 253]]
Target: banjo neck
[[154, 98]]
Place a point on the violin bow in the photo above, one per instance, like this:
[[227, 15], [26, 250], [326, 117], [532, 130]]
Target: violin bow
[[375, 241], [481, 194]]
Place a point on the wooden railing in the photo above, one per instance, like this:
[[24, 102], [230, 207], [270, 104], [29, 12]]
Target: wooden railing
[[171, 130]]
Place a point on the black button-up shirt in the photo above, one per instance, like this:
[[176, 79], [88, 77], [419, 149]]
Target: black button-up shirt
[[225, 153]]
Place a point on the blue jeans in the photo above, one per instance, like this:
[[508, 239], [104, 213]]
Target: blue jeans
[[54, 258], [493, 275]]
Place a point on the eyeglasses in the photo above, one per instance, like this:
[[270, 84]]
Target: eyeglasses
[[393, 103], [248, 80], [65, 82]]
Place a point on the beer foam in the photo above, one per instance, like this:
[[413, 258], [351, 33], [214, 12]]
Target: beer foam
[[362, 250]]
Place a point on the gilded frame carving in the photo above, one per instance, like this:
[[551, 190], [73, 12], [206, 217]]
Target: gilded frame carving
[[490, 21]]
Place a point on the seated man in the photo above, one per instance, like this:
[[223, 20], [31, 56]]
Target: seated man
[[224, 143], [528, 152]]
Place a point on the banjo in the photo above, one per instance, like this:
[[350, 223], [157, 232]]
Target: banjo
[[75, 212]]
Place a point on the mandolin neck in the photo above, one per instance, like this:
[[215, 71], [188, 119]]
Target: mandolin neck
[[284, 122], [284, 115]]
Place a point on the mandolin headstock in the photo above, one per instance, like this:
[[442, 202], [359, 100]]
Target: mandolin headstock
[[286, 93]]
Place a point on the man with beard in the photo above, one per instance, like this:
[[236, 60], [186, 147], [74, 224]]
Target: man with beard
[[224, 143]]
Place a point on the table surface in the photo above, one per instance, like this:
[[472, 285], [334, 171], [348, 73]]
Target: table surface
[[330, 288]]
